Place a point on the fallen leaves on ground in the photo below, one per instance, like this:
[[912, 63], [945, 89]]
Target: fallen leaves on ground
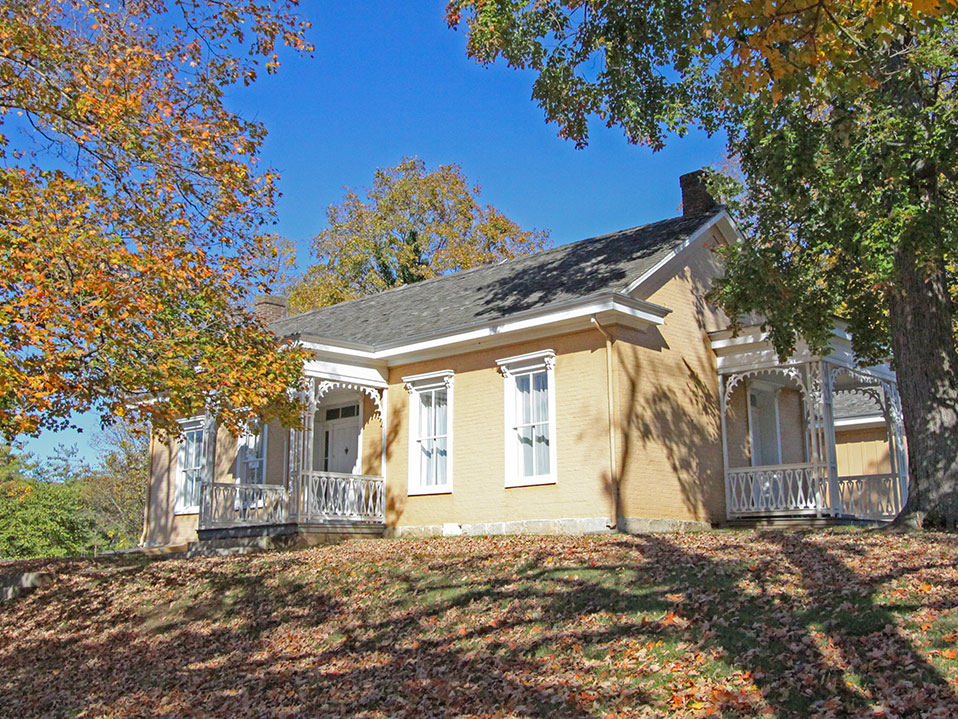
[[723, 624]]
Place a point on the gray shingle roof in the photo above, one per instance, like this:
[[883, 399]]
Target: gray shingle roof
[[490, 292], [847, 404]]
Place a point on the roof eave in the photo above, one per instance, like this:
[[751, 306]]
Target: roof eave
[[611, 306]]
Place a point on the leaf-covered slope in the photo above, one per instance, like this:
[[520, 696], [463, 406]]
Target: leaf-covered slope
[[716, 624]]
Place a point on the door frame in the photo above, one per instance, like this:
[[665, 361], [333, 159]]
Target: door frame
[[343, 421]]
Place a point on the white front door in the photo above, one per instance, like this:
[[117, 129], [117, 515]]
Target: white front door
[[336, 439], [343, 441]]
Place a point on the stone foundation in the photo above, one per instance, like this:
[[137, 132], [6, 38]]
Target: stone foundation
[[573, 526]]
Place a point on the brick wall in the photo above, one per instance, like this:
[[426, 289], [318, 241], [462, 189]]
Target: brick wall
[[670, 457], [479, 494]]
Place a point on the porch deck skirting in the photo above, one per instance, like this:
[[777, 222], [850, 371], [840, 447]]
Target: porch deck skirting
[[313, 498]]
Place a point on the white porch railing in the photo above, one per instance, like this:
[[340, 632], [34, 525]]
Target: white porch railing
[[316, 498], [803, 489], [230, 504], [784, 489], [870, 496], [325, 496]]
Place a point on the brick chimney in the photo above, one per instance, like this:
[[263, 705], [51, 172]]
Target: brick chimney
[[696, 199], [269, 308]]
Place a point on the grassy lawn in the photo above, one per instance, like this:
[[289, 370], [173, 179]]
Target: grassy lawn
[[725, 624]]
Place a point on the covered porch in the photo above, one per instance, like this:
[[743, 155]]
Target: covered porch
[[794, 433], [329, 478]]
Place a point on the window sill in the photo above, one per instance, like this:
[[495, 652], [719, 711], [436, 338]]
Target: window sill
[[426, 491], [530, 481], [188, 510]]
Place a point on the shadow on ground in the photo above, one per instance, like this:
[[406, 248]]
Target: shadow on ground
[[720, 624]]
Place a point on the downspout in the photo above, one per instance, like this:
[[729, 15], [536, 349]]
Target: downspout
[[613, 473]]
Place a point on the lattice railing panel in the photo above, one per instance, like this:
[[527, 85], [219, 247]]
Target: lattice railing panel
[[329, 495], [228, 504], [777, 489], [870, 496]]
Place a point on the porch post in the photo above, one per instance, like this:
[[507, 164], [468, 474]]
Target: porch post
[[896, 429], [828, 381], [209, 471], [814, 385], [297, 452], [723, 399], [307, 461]]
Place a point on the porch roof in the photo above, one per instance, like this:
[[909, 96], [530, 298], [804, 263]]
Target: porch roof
[[575, 271], [752, 349]]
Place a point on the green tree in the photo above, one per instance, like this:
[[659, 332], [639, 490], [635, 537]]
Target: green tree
[[413, 224], [38, 517], [852, 210], [843, 115]]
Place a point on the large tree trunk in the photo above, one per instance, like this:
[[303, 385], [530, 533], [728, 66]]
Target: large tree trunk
[[926, 362]]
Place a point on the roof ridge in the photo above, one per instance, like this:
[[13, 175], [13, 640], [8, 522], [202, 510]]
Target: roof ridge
[[460, 273]]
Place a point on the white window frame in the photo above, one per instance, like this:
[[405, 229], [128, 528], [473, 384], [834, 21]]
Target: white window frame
[[511, 368], [415, 385], [242, 458], [194, 424]]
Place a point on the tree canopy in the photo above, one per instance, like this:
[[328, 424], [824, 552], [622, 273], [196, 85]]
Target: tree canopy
[[132, 213], [413, 224], [662, 66]]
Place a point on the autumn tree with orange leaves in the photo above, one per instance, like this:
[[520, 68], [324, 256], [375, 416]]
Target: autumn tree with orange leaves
[[134, 213], [412, 225]]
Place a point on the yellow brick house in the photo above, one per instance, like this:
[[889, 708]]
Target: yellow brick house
[[586, 388]]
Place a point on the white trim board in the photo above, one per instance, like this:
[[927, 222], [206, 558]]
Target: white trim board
[[678, 249]]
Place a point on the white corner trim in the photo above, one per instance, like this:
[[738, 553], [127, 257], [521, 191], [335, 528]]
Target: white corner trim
[[690, 240]]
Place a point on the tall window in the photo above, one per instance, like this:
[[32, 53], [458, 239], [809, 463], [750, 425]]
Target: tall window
[[530, 418], [191, 461], [251, 456], [430, 430], [532, 423]]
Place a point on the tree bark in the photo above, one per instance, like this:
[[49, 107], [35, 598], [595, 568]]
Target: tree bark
[[926, 362]]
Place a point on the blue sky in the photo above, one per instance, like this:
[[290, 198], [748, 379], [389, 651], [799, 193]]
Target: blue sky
[[390, 79]]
